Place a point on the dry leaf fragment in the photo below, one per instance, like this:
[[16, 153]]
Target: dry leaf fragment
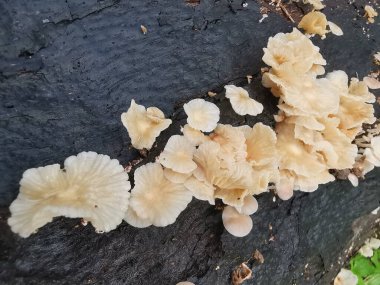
[[258, 256], [240, 274], [211, 94], [144, 30]]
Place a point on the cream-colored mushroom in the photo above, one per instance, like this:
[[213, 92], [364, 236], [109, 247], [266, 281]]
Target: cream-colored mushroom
[[156, 199], [92, 186], [346, 277], [202, 115], [194, 136], [144, 125], [241, 102], [176, 177], [335, 29], [250, 205], [314, 23], [178, 155], [235, 223], [202, 190], [370, 13]]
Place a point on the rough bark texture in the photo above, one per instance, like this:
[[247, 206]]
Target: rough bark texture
[[68, 69]]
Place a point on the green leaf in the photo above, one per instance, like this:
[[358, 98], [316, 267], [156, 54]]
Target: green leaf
[[372, 280], [360, 281], [376, 259], [362, 266]]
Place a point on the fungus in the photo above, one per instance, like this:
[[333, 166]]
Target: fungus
[[241, 102], [178, 155], [202, 190], [371, 82], [372, 153], [293, 48], [250, 205], [370, 13], [202, 115], [194, 136], [144, 125], [176, 177], [335, 29], [346, 277], [237, 224], [134, 220], [261, 145], [185, 283], [314, 23], [317, 4], [92, 186], [156, 199], [285, 185]]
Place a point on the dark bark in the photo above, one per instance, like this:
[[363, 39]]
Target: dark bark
[[68, 69]]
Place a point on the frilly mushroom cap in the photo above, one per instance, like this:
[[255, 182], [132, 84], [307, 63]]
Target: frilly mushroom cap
[[194, 136], [261, 145], [178, 155], [294, 49], [202, 115], [156, 199], [232, 143], [295, 155], [144, 125], [233, 197], [185, 283], [346, 277], [241, 102], [359, 90], [235, 223], [314, 23], [311, 183], [93, 187]]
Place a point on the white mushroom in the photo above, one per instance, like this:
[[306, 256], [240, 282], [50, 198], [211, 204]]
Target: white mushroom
[[241, 102], [202, 115], [346, 277], [235, 223], [92, 186]]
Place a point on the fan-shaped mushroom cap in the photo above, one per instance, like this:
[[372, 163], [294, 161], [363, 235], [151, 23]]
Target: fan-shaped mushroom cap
[[194, 136], [134, 220], [372, 153], [235, 223], [346, 277], [202, 190], [232, 197], [178, 155], [294, 49], [359, 90], [155, 198], [93, 187], [261, 145], [307, 122], [176, 177], [144, 125], [241, 102], [202, 115], [314, 23]]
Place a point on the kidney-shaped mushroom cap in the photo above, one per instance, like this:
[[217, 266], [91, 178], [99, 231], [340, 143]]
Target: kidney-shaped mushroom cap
[[156, 199], [178, 155], [235, 223], [202, 115], [346, 277], [93, 187], [314, 23], [241, 102], [144, 125], [250, 205]]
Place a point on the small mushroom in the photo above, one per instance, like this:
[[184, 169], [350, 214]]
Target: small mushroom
[[250, 205], [144, 125], [156, 199], [194, 136], [178, 155], [241, 102], [346, 277], [202, 115], [235, 223], [335, 29], [314, 22]]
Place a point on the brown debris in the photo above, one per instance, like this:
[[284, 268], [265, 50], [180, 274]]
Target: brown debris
[[240, 274], [144, 30], [192, 3], [211, 94], [257, 255]]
